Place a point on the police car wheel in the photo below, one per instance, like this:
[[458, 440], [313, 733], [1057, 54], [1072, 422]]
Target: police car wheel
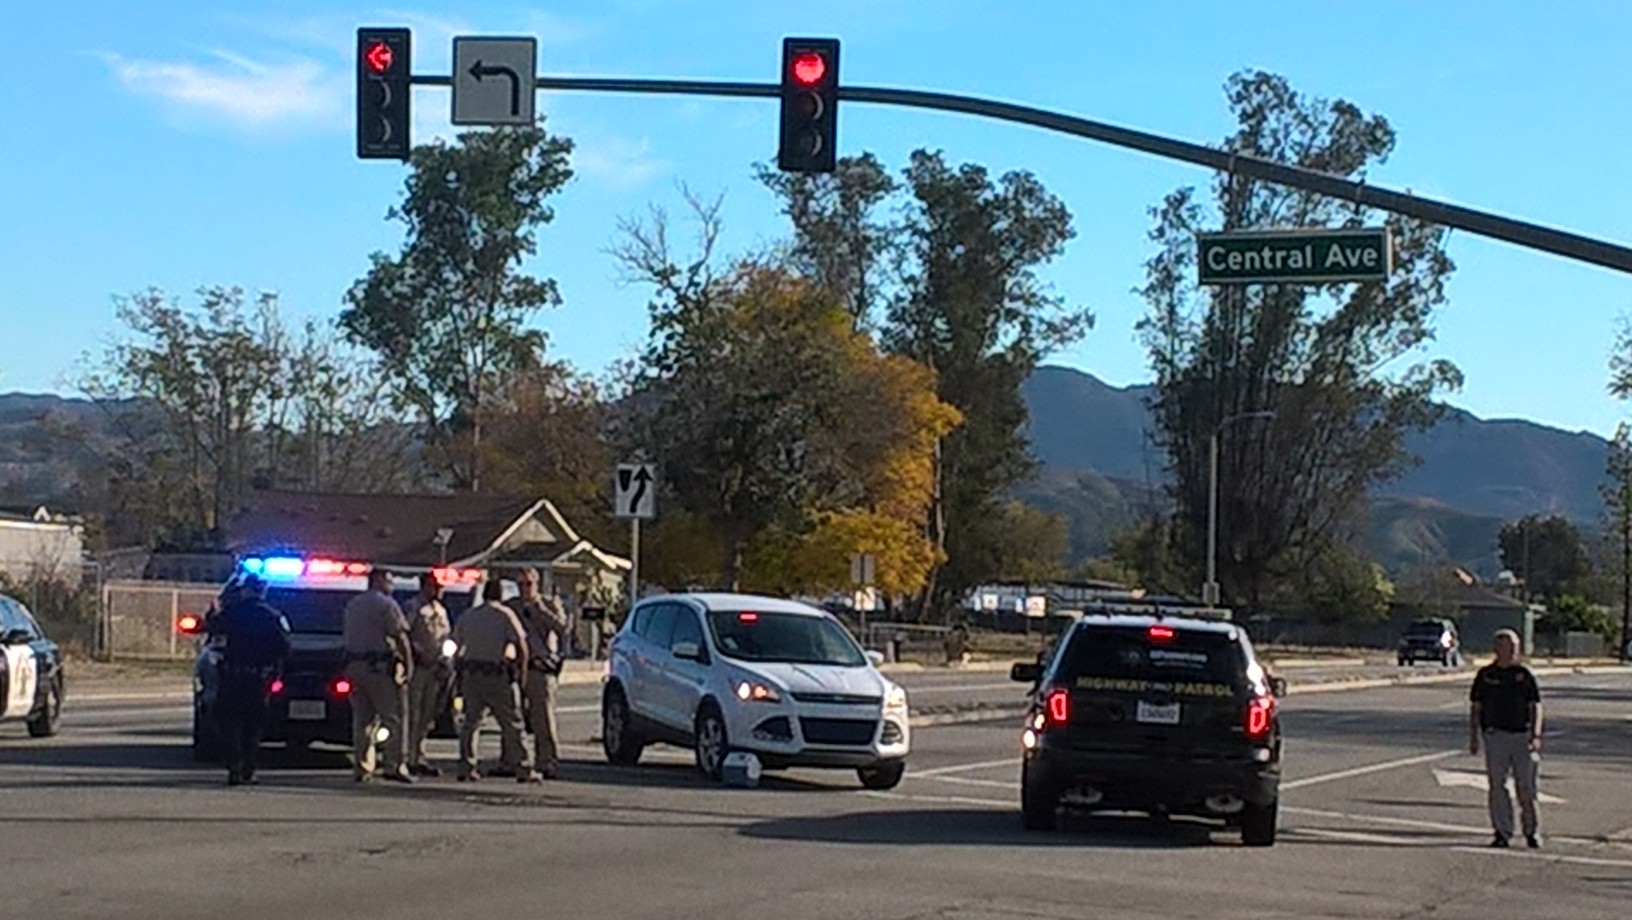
[[1258, 824], [711, 743], [49, 720], [1039, 803]]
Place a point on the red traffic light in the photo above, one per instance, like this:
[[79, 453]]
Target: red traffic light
[[378, 57], [809, 68]]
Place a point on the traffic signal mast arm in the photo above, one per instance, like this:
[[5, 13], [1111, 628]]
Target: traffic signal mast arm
[[1522, 233]]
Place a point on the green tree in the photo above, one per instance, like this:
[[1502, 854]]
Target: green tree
[[1317, 356], [1144, 551], [1548, 554], [548, 436], [211, 402], [1036, 548], [839, 239], [199, 397], [447, 316], [774, 420], [1617, 493], [1571, 613], [1341, 586], [964, 298]]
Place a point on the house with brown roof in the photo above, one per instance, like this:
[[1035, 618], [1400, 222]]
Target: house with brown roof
[[428, 531]]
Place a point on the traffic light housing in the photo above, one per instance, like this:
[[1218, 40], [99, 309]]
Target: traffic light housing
[[810, 105], [383, 94]]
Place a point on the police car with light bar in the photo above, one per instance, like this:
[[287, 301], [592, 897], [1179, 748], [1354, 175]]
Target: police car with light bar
[[1151, 713], [310, 701], [30, 671]]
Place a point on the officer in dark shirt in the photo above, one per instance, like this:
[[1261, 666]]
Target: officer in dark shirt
[[257, 642], [1506, 719]]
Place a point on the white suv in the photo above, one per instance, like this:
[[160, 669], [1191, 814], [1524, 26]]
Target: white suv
[[731, 672]]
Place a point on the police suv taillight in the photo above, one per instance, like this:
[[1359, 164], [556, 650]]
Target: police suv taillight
[[1259, 711]]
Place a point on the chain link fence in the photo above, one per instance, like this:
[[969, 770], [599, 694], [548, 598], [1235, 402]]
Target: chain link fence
[[138, 618]]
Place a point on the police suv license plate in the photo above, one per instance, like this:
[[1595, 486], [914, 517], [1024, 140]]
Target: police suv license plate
[[308, 709], [1158, 713]]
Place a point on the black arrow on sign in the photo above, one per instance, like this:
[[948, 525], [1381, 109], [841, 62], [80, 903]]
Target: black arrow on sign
[[642, 479], [480, 70]]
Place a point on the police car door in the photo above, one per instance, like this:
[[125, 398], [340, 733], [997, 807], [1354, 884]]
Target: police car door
[[19, 670]]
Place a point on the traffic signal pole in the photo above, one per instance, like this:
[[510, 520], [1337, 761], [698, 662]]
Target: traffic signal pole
[[1483, 223]]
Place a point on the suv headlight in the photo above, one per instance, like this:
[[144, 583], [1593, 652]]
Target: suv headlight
[[896, 698], [754, 692]]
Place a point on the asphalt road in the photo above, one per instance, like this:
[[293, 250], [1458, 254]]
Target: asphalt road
[[1381, 817]]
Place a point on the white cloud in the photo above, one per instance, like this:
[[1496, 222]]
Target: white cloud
[[254, 94], [615, 161]]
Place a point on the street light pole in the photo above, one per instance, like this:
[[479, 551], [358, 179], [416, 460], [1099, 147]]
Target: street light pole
[[1209, 590]]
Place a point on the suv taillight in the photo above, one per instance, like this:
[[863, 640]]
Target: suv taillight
[[1059, 706], [1259, 711]]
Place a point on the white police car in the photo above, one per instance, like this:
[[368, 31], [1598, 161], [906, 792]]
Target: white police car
[[723, 673], [30, 671]]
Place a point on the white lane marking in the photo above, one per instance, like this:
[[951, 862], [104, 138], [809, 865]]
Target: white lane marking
[[1372, 768], [967, 781], [939, 799], [576, 710], [1482, 783], [1357, 837], [1381, 819], [965, 767], [1548, 857]]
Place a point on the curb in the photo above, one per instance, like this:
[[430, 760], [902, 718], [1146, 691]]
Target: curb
[[1453, 677]]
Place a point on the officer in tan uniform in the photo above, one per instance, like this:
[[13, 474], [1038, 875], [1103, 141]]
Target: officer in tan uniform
[[428, 629], [546, 623], [378, 665], [492, 663]]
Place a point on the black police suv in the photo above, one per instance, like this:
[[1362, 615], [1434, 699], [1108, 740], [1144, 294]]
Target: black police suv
[[31, 678], [1432, 639], [1156, 714], [310, 700]]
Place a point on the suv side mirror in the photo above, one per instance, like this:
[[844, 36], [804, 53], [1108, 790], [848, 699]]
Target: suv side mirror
[[875, 656], [690, 651], [1026, 672], [1277, 686]]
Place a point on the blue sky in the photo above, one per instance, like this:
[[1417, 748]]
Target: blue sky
[[183, 143]]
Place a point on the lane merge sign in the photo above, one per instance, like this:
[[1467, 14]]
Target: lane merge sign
[[1319, 256]]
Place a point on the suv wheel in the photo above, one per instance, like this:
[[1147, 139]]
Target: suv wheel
[[47, 722], [1039, 803], [618, 736], [1258, 824], [711, 743], [886, 775]]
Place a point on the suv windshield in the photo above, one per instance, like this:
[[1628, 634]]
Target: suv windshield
[[1428, 628], [1130, 659], [784, 637]]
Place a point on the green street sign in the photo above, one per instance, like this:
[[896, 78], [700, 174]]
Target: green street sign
[[1295, 256]]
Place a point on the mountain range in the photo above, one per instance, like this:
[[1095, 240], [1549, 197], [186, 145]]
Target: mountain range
[[1099, 469]]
